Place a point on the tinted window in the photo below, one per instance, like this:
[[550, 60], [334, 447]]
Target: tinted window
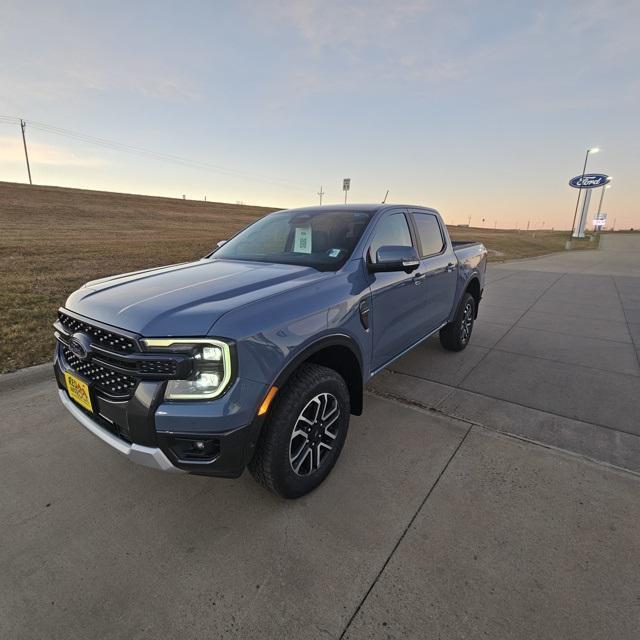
[[321, 239], [392, 230], [429, 233]]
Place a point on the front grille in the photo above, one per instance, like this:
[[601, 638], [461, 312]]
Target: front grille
[[103, 377], [164, 367], [108, 339], [116, 364], [148, 367]]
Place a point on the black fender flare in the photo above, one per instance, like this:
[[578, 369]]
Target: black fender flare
[[474, 277], [355, 384]]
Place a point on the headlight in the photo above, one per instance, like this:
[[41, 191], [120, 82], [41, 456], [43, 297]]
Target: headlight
[[212, 367]]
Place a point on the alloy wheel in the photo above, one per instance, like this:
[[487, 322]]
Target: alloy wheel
[[314, 434], [467, 323]]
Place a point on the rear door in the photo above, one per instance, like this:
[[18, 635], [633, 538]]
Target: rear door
[[397, 303], [437, 265]]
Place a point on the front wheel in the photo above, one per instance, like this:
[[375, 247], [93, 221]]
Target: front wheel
[[304, 433], [455, 336]]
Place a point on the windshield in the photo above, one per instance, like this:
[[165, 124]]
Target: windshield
[[320, 239]]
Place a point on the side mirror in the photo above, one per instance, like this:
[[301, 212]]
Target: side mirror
[[395, 258], [219, 244]]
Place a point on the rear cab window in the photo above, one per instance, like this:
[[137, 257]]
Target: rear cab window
[[429, 233]]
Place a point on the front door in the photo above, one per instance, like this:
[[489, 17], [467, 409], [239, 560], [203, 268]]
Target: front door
[[398, 299]]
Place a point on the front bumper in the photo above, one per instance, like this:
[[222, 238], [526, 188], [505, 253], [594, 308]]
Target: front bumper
[[147, 430], [152, 457]]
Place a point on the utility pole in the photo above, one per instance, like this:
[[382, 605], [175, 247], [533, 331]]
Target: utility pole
[[528, 223], [321, 193], [23, 124], [469, 224]]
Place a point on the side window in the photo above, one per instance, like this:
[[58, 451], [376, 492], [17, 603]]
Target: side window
[[429, 233], [392, 230]]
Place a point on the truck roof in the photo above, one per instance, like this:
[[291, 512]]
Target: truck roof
[[365, 207]]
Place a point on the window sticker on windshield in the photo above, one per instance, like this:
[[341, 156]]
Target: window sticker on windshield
[[302, 240], [334, 253]]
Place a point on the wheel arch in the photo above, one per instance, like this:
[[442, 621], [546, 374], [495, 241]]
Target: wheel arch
[[338, 352], [473, 287]]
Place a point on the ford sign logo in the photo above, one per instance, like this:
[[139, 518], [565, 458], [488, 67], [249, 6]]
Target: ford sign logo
[[589, 181]]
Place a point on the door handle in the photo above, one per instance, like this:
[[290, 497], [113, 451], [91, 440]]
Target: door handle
[[418, 278], [450, 267]]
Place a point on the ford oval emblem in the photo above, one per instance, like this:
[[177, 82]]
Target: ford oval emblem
[[589, 181], [80, 344]]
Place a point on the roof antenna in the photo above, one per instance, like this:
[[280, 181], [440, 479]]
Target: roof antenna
[[385, 197]]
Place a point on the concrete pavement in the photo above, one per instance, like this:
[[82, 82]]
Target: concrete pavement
[[436, 521], [554, 356]]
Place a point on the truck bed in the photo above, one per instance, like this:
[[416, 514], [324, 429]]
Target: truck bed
[[470, 255], [458, 244]]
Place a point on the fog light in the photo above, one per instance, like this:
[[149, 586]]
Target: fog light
[[190, 449]]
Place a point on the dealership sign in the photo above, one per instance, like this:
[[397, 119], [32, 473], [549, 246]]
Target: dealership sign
[[600, 220], [589, 181]]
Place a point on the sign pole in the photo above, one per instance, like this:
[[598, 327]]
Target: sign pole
[[583, 214], [575, 213], [346, 185]]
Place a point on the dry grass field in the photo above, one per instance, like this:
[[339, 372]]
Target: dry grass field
[[54, 239], [509, 244]]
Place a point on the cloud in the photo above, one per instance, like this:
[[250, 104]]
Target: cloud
[[363, 46], [12, 152], [330, 24], [522, 51], [78, 51]]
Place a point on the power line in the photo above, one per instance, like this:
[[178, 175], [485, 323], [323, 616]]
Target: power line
[[155, 155]]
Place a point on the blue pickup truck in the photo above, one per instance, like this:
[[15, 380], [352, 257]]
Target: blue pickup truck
[[257, 354]]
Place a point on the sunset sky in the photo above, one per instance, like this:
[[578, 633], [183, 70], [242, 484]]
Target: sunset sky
[[481, 109]]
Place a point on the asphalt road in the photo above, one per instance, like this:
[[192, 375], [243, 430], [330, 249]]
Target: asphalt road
[[459, 508]]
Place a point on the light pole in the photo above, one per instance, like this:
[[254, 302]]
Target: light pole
[[584, 170], [604, 186]]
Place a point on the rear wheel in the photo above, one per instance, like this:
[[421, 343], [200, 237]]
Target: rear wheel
[[455, 336], [304, 432]]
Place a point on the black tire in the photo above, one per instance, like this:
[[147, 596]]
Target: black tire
[[455, 336], [273, 463]]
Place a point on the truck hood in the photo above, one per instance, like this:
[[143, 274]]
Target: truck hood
[[184, 299]]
